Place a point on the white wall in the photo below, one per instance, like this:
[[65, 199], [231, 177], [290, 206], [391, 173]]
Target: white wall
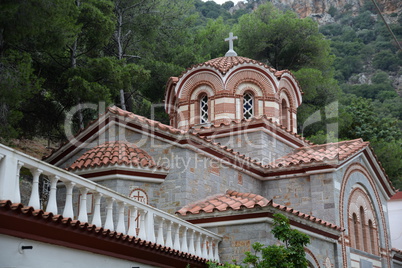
[[48, 255], [395, 222]]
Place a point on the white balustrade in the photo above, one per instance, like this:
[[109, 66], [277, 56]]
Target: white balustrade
[[83, 214], [52, 202], [96, 219], [121, 228], [169, 240], [109, 214], [180, 234], [160, 239], [132, 228], [34, 200], [176, 244], [68, 207]]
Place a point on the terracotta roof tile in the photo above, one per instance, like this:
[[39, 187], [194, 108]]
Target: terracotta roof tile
[[42, 217], [321, 153], [397, 196], [235, 201], [114, 153]]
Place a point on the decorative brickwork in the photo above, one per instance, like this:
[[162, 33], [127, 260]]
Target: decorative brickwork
[[383, 240]]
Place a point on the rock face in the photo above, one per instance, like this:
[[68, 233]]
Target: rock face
[[314, 8]]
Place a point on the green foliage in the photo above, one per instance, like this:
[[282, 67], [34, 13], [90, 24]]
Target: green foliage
[[17, 85], [282, 39], [291, 254], [361, 121], [386, 61]]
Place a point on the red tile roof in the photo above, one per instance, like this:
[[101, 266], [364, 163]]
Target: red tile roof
[[114, 153], [235, 201], [26, 222], [231, 200], [397, 196], [224, 64], [320, 153]]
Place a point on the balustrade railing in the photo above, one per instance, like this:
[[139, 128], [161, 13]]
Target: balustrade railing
[[155, 225]]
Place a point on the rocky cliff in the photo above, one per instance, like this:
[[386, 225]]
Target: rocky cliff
[[319, 9]]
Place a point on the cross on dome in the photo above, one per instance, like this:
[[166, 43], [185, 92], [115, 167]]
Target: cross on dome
[[230, 52]]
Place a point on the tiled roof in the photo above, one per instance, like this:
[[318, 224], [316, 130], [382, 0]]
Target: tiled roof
[[320, 153], [233, 200], [224, 64], [114, 153], [58, 229], [397, 196]]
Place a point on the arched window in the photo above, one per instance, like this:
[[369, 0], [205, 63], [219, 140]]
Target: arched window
[[362, 221], [356, 231], [248, 105], [372, 237], [284, 114], [363, 229], [203, 109]]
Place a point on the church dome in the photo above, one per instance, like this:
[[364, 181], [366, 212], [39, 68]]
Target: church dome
[[232, 88]]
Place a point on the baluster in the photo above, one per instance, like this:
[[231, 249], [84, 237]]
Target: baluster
[[160, 239], [191, 248], [109, 214], [83, 214], [68, 207], [176, 244], [143, 233], [132, 228], [150, 227], [52, 203], [17, 196], [121, 228], [34, 199], [210, 249], [169, 241], [198, 248], [184, 246], [96, 219], [216, 251], [204, 251]]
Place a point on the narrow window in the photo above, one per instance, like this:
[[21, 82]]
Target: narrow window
[[248, 105], [364, 230], [356, 230], [372, 237], [284, 114], [204, 109]]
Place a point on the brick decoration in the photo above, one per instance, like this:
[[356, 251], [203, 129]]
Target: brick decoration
[[363, 231], [357, 167]]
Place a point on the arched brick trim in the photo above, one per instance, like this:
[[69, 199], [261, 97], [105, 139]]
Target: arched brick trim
[[210, 79], [289, 100], [360, 205], [251, 76], [290, 97], [312, 257], [249, 88], [357, 167], [289, 82]]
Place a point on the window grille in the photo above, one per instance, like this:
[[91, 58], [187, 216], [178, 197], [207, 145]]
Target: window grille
[[204, 109], [248, 104]]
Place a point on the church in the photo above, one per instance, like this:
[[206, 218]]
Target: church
[[228, 161]]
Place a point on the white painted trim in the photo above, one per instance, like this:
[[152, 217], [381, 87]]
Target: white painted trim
[[125, 177]]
